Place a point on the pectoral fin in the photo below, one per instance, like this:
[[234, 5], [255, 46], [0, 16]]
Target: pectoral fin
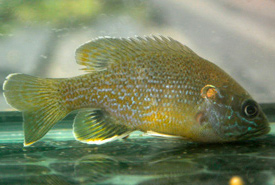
[[94, 126]]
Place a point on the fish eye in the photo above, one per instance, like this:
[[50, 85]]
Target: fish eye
[[250, 109]]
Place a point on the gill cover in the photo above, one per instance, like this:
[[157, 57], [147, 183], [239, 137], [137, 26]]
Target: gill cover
[[216, 109]]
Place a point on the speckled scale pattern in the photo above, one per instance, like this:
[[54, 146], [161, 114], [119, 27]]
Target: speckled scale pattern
[[152, 84], [150, 90]]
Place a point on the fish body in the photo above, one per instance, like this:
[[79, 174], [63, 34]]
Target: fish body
[[152, 84]]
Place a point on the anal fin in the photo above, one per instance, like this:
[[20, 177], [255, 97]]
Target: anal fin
[[95, 126]]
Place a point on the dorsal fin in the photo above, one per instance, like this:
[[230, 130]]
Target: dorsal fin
[[97, 54]]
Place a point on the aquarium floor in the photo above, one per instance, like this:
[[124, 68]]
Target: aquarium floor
[[140, 159]]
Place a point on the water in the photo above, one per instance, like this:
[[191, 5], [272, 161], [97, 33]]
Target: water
[[140, 159]]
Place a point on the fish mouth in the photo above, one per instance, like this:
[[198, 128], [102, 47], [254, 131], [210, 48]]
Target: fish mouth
[[256, 133]]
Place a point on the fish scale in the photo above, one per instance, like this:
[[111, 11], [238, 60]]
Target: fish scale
[[117, 81], [153, 84]]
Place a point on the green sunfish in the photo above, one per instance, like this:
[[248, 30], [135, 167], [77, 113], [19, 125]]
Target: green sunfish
[[153, 84]]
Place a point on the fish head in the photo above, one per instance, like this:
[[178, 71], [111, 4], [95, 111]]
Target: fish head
[[231, 115]]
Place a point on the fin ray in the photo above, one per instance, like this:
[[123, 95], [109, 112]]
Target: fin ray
[[97, 54], [94, 126], [38, 99]]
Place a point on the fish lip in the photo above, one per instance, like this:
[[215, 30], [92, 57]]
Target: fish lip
[[259, 132]]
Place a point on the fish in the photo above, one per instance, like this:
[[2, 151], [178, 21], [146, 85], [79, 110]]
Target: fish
[[153, 84]]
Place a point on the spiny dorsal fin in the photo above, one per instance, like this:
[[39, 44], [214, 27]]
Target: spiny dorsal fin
[[94, 126], [97, 54]]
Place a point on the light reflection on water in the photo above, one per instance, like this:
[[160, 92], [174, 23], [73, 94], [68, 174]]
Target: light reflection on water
[[59, 159]]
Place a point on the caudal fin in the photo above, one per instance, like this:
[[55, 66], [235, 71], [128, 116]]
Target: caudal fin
[[39, 101]]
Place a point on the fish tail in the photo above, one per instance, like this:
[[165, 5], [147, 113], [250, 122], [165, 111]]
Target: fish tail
[[40, 102]]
